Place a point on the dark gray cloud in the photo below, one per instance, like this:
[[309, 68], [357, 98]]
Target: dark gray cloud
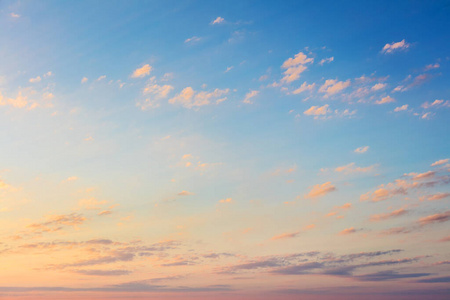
[[435, 279], [388, 275]]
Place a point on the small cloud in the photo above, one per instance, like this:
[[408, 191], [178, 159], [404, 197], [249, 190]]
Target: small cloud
[[228, 69], [387, 99], [304, 87], [379, 86], [351, 168], [436, 104], [218, 20], [438, 196], [14, 15], [227, 200], [436, 218], [71, 178], [142, 72], [48, 74], [295, 66], [320, 190], [192, 40], [401, 108], [440, 162], [104, 213], [326, 60], [285, 236], [333, 86], [348, 231], [361, 150], [317, 110], [101, 78], [185, 193], [84, 80], [399, 46], [190, 98], [34, 80], [426, 116], [395, 213], [431, 67], [250, 95]]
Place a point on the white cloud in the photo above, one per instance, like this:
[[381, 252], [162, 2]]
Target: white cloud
[[440, 162], [193, 39], [154, 93], [401, 108], [218, 20], [361, 150], [332, 86], [304, 87], [250, 95], [101, 78], [35, 79], [84, 80], [142, 72], [378, 86], [295, 66], [190, 98], [387, 99], [317, 110], [436, 104], [431, 66], [14, 15], [389, 48], [326, 60], [228, 69]]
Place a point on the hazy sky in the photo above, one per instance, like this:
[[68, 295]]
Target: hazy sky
[[224, 149]]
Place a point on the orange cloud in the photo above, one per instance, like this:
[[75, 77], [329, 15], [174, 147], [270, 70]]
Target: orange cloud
[[320, 190]]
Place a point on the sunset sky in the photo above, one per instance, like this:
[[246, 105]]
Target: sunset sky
[[224, 150]]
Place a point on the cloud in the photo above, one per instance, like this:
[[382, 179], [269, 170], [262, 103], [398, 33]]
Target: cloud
[[56, 223], [228, 69], [436, 104], [399, 46], [317, 110], [320, 190], [300, 269], [395, 213], [142, 72], [436, 218], [185, 193], [326, 60], [401, 108], [250, 95], [396, 230], [91, 203], [227, 200], [351, 168], [361, 150], [407, 183], [103, 272], [387, 99], [438, 196], [304, 87], [84, 80], [295, 66], [440, 162], [218, 20], [378, 86], [192, 40], [190, 98], [71, 178], [348, 231], [34, 80], [388, 275], [333, 86], [14, 15], [153, 93], [285, 235], [431, 67], [101, 78]]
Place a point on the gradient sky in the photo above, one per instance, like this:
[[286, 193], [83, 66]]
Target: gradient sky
[[224, 149]]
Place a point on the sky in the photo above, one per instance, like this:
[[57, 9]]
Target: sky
[[224, 149]]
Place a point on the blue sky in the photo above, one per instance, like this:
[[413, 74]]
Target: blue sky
[[231, 136]]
